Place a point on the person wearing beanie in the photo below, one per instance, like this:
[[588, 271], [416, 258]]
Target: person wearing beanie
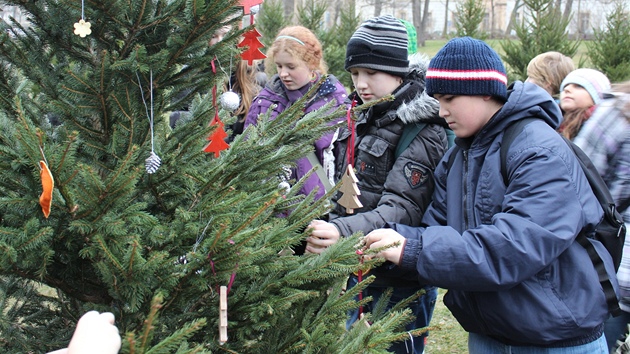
[[505, 249], [297, 55], [397, 145], [580, 93]]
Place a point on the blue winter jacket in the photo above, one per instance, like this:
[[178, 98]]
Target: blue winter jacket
[[507, 254]]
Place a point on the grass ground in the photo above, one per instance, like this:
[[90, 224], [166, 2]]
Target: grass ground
[[449, 337]]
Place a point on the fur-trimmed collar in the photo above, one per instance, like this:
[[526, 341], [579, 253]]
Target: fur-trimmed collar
[[421, 108]]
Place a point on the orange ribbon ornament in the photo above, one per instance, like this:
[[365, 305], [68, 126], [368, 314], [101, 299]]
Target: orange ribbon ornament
[[48, 183]]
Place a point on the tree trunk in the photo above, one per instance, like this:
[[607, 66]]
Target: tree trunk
[[517, 5], [289, 9], [422, 34], [417, 20], [492, 21], [567, 10], [378, 6], [445, 31]]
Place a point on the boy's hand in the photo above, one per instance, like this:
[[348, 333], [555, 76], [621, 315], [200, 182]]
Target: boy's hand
[[385, 237], [323, 235]]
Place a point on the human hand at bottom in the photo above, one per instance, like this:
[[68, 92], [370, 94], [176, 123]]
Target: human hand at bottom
[[386, 237], [95, 334], [323, 234]]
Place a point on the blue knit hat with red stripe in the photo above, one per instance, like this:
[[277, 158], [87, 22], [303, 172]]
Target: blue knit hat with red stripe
[[467, 66]]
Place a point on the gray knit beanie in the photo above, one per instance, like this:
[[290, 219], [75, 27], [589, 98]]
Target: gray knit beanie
[[380, 44]]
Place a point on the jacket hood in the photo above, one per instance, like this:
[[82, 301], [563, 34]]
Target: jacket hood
[[525, 100], [422, 107]]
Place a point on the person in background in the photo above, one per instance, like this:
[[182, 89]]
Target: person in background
[[298, 57], [517, 280], [548, 69], [393, 188], [95, 334], [247, 82], [605, 138], [580, 93]]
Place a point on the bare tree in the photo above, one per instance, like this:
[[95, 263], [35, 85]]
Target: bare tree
[[445, 31], [289, 8], [378, 6], [423, 24], [492, 21], [517, 5], [567, 10], [417, 21]]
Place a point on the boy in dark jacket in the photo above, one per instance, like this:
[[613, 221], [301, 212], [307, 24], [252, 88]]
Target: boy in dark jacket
[[393, 188], [518, 282]]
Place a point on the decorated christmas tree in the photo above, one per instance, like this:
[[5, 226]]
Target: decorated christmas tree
[[104, 207]]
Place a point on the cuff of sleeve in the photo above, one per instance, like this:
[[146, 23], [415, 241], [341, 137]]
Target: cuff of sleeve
[[410, 254]]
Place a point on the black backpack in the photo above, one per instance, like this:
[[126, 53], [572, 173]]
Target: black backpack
[[611, 231]]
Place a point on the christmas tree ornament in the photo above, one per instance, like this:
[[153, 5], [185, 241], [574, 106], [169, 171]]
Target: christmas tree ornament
[[48, 184], [223, 319], [250, 40], [349, 188], [217, 137], [247, 5], [153, 162], [230, 101], [82, 28], [350, 191]]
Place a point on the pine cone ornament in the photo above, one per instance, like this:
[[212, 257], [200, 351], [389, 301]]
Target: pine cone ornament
[[152, 163]]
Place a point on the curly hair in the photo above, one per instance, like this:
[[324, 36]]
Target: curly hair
[[300, 43]]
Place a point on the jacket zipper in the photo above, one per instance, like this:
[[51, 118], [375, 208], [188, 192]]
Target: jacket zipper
[[465, 189]]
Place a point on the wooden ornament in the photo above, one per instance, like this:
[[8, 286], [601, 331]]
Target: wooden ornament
[[253, 45], [223, 317], [48, 184], [82, 28], [350, 191], [217, 138]]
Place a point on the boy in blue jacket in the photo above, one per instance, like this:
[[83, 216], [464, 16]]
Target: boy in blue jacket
[[517, 281]]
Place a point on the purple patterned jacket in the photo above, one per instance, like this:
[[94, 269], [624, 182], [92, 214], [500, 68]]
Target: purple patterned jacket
[[276, 97]]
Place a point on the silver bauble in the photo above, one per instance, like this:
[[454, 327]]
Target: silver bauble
[[230, 101]]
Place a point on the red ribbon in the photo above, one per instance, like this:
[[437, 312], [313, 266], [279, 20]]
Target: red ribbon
[[351, 123]]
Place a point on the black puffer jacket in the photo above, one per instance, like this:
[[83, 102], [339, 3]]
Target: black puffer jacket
[[393, 189]]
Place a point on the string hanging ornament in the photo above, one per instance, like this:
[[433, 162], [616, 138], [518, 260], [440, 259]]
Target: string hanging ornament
[[216, 139], [153, 162], [82, 28], [349, 188], [229, 100]]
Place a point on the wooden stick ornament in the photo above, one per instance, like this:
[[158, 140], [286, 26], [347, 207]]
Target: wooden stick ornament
[[349, 188], [223, 317]]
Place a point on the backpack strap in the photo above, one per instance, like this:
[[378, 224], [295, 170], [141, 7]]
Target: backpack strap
[[603, 197], [409, 133]]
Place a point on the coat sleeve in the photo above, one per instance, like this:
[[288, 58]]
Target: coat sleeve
[[408, 187]]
